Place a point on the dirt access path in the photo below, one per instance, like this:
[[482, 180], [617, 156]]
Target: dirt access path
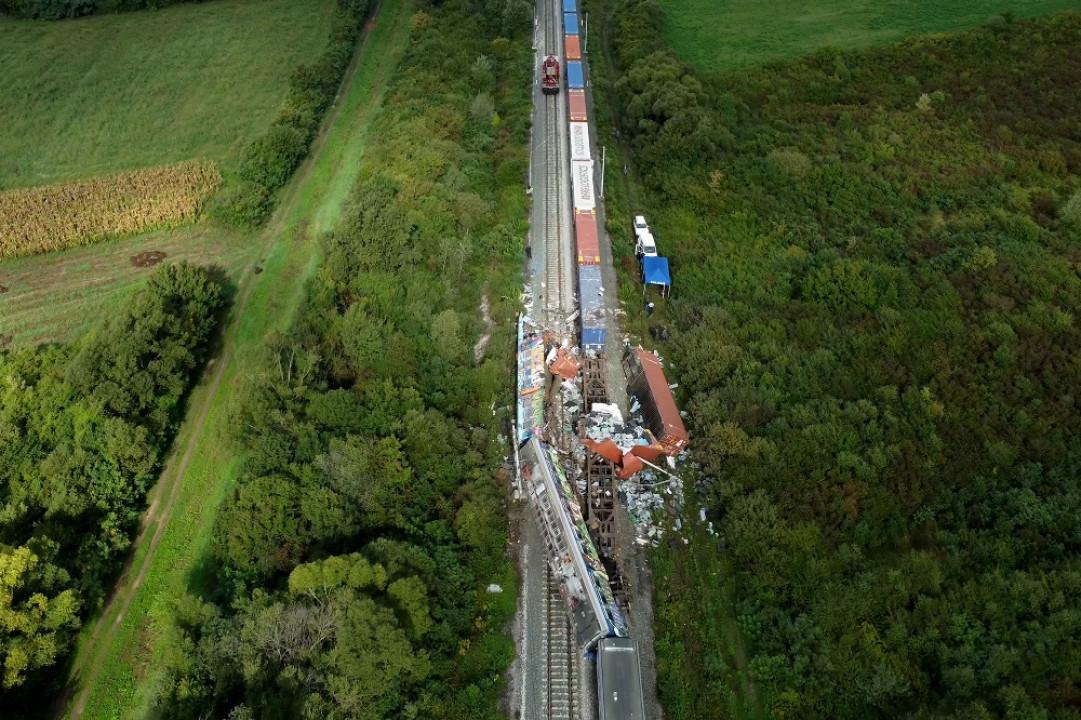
[[112, 660]]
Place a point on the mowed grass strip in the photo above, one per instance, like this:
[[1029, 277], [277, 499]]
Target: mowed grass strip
[[118, 661], [54, 217], [59, 296], [726, 34], [98, 95]]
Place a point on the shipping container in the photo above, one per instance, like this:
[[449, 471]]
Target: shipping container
[[585, 233], [591, 295], [576, 105], [570, 23], [572, 49], [575, 78], [593, 338], [582, 184], [646, 381], [570, 6], [579, 141]]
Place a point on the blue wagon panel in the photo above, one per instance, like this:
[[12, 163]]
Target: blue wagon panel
[[590, 294], [575, 78], [593, 338], [570, 6], [570, 23]]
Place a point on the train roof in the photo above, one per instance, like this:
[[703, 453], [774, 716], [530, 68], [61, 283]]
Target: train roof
[[619, 680]]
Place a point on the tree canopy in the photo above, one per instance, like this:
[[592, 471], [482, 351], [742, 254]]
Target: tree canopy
[[83, 429], [350, 561], [874, 328]]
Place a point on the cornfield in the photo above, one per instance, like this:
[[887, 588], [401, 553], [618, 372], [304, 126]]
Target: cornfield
[[54, 217]]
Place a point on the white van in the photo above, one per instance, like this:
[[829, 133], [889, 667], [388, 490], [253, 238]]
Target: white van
[[640, 226], [646, 246]]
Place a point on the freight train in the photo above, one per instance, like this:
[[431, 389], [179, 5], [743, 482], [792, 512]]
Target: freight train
[[599, 624], [619, 676]]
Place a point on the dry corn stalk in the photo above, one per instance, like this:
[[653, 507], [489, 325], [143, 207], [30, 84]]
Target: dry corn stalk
[[54, 217]]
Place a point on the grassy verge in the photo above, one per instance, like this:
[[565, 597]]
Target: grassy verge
[[113, 92], [736, 33], [121, 660], [702, 663]]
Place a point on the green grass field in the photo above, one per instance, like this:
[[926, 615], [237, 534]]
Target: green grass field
[[726, 34], [96, 95], [58, 296], [115, 675]]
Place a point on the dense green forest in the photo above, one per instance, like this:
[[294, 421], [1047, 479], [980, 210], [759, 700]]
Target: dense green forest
[[877, 267], [351, 562], [63, 9], [83, 429]]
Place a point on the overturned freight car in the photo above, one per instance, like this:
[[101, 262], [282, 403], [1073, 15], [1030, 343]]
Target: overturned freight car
[[646, 382]]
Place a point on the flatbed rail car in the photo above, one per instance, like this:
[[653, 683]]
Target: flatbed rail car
[[549, 71], [619, 681], [646, 381]]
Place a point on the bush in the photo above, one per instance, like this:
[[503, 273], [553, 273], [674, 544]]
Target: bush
[[241, 204], [270, 160], [47, 9], [63, 9], [1071, 211]]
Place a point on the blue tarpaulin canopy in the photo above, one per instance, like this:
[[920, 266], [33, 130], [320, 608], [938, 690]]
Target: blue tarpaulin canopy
[[655, 272]]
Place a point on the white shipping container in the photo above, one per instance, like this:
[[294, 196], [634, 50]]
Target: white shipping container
[[579, 141], [582, 184]]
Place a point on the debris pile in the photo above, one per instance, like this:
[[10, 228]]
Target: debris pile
[[649, 488], [649, 497], [562, 362]]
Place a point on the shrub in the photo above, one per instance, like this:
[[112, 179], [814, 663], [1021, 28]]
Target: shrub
[[1071, 211], [270, 160], [47, 9]]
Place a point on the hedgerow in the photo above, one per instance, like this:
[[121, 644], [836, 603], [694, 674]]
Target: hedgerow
[[248, 196], [64, 9]]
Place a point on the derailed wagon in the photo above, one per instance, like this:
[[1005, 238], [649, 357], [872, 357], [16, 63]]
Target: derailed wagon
[[646, 381]]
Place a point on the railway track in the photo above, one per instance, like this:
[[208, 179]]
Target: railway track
[[560, 653], [556, 292], [561, 694]]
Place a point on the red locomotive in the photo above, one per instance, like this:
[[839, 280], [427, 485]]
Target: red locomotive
[[550, 75]]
